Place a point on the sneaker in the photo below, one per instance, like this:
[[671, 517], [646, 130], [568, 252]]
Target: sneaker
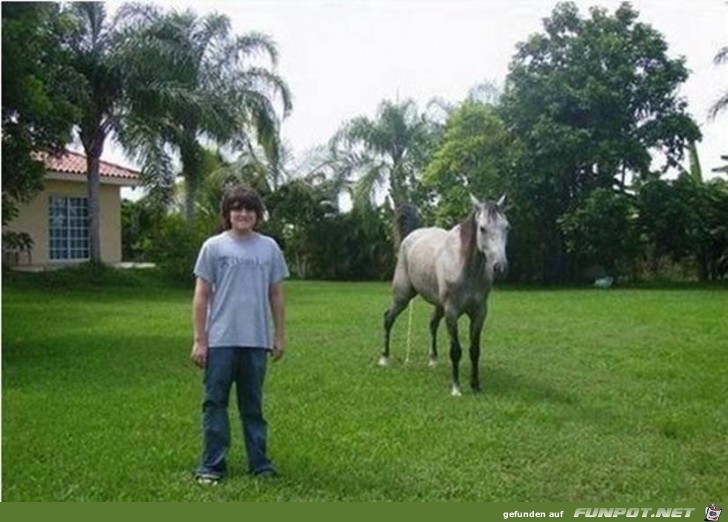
[[208, 479]]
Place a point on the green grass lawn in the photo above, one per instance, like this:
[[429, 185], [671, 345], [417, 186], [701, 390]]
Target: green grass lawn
[[588, 395]]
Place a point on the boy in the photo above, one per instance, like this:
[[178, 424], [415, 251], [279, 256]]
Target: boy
[[240, 275]]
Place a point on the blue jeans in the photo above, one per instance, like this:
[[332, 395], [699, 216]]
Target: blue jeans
[[246, 367]]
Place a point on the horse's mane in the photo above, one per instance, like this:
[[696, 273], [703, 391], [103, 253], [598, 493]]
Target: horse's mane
[[467, 237], [406, 219], [468, 247]]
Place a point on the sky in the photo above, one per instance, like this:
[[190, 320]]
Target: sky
[[341, 58]]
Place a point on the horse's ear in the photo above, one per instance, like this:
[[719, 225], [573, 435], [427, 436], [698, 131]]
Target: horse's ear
[[473, 199], [502, 202]]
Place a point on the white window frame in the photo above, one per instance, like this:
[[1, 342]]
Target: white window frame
[[68, 228]]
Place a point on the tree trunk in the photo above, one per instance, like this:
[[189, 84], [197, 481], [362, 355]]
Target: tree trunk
[[93, 150], [189, 198], [191, 157]]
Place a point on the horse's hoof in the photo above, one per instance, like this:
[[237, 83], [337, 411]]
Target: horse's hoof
[[383, 361], [456, 391], [432, 363]]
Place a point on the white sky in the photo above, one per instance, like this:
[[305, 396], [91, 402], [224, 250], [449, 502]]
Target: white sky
[[341, 58]]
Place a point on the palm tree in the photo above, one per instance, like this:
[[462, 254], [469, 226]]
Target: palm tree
[[95, 56], [329, 169], [203, 84], [722, 102], [388, 151]]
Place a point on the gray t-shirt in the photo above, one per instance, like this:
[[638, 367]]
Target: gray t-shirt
[[241, 272]]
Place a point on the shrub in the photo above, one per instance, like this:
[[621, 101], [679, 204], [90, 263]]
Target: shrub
[[174, 247]]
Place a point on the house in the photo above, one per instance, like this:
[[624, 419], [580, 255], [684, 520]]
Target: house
[[57, 220]]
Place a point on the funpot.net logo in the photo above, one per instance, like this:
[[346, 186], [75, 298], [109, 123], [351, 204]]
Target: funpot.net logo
[[635, 512]]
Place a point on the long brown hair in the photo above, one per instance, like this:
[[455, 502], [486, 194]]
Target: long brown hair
[[239, 196]]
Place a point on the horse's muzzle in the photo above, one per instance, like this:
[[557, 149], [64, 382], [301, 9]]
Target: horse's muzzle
[[500, 267]]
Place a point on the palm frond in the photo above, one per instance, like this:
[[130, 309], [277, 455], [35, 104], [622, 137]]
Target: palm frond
[[254, 43], [721, 56], [133, 17], [157, 174], [261, 81], [718, 107], [209, 34], [91, 19], [365, 188]]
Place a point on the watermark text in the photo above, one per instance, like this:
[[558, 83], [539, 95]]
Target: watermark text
[[633, 512]]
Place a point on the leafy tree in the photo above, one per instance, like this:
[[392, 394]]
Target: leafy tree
[[299, 211], [367, 244], [203, 84], [322, 243], [37, 97], [664, 218], [390, 150], [686, 220], [590, 98], [601, 234], [474, 156]]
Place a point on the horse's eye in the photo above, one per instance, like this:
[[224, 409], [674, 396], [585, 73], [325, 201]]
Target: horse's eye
[[482, 230]]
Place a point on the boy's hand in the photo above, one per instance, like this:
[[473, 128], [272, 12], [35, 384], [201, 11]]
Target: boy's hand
[[199, 354], [277, 353], [278, 350]]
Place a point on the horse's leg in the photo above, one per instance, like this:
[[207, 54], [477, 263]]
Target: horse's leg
[[451, 320], [435, 319], [477, 318], [400, 302]]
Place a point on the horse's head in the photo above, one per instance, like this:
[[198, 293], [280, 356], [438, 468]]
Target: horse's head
[[491, 232]]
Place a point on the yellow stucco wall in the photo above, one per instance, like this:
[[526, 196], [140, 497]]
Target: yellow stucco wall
[[33, 219]]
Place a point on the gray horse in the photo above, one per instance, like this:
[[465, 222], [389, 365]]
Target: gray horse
[[453, 270]]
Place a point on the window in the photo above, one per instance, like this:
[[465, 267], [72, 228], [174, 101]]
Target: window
[[68, 228]]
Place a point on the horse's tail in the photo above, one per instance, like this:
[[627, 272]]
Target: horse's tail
[[406, 219]]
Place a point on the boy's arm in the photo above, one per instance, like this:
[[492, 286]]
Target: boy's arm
[[200, 302], [278, 310]]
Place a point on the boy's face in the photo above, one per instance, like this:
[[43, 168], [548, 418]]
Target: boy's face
[[242, 219]]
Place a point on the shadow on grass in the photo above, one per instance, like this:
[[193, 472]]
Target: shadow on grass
[[503, 382], [537, 392]]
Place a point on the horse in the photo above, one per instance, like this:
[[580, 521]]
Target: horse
[[453, 270]]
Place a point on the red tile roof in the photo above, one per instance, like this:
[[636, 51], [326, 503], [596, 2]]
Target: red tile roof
[[75, 163]]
